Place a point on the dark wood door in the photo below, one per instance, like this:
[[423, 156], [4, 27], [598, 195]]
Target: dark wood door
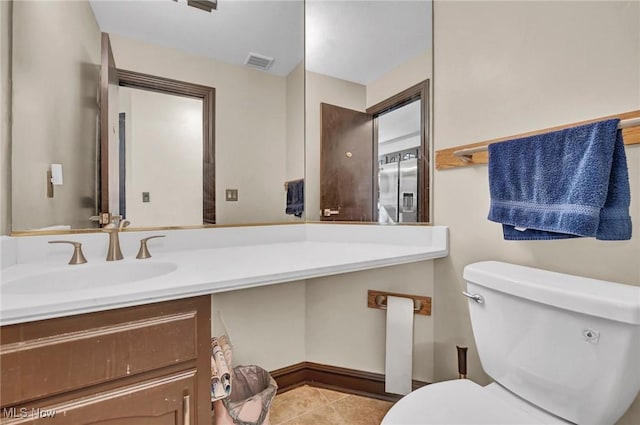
[[346, 164]]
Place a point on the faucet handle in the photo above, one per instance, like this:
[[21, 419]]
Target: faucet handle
[[143, 252], [77, 257]]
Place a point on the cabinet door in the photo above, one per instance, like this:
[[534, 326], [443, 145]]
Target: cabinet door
[[166, 400], [59, 363]]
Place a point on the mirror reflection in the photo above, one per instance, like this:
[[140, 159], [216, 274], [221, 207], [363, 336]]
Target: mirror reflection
[[368, 70], [259, 127], [399, 146], [153, 122]]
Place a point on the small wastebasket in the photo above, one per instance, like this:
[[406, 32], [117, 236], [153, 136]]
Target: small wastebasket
[[252, 392]]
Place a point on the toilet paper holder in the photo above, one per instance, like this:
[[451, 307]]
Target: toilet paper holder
[[378, 299], [381, 302]]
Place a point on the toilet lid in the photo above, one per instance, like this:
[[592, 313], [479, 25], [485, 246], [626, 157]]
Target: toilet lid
[[458, 402]]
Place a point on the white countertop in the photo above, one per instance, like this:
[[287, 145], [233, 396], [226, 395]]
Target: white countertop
[[253, 257]]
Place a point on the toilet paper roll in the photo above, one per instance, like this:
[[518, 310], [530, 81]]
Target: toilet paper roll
[[399, 345]]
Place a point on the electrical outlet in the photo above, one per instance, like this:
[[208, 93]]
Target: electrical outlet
[[231, 195], [145, 197]]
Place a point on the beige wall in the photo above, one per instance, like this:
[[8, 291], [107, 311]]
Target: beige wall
[[266, 324], [55, 77], [5, 116], [508, 67], [251, 126], [295, 123], [163, 157], [295, 128], [407, 74], [342, 331], [113, 144]]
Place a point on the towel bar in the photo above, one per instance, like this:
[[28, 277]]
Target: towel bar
[[466, 154], [286, 184]]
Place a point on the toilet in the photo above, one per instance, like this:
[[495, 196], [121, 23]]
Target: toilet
[[561, 349]]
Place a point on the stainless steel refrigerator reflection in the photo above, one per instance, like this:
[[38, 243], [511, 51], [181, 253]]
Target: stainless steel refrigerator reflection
[[398, 187]]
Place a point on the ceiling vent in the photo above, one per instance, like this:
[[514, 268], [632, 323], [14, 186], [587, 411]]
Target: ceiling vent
[[206, 5], [255, 60]]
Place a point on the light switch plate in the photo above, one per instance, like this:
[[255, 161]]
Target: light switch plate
[[231, 195], [145, 197]]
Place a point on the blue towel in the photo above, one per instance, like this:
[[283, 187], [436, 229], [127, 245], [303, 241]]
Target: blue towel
[[565, 184], [295, 198]]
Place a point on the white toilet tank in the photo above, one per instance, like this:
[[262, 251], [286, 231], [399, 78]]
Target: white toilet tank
[[568, 344]]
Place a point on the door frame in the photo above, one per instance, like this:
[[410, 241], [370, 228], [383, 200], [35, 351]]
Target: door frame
[[207, 94], [108, 77], [418, 91]]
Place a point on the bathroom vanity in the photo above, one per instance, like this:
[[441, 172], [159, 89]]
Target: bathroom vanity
[[130, 338], [148, 364]]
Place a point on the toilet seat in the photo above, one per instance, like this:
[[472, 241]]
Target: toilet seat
[[465, 402]]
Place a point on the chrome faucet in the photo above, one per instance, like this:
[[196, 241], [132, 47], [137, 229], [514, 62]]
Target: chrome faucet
[[114, 253]]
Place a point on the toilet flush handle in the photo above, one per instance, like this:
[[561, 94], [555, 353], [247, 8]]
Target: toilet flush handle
[[475, 297]]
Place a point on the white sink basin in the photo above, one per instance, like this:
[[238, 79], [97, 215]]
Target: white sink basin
[[87, 276]]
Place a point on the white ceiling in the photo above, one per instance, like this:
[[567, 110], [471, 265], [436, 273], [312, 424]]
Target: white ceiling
[[271, 28], [360, 40], [356, 40]]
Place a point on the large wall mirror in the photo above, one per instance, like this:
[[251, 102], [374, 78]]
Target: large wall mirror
[[250, 52], [371, 57], [368, 69]]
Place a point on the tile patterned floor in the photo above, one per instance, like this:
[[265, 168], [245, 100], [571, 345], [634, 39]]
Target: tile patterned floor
[[317, 406]]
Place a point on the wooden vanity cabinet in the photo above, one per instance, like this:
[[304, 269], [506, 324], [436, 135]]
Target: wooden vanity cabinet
[[139, 365]]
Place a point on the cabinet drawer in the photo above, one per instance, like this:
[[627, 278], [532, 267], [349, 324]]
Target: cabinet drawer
[[49, 365], [165, 400]]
